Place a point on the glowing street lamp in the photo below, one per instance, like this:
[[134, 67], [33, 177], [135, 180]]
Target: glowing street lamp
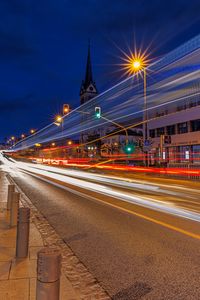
[[32, 131], [22, 136], [137, 63], [58, 119]]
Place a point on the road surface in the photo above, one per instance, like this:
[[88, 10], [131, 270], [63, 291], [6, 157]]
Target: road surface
[[141, 240]]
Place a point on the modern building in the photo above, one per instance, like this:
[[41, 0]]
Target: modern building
[[175, 134]]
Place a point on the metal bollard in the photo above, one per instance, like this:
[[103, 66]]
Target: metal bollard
[[14, 209], [23, 225], [11, 189], [48, 274]]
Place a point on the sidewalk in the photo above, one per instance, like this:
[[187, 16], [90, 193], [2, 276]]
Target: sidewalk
[[18, 276]]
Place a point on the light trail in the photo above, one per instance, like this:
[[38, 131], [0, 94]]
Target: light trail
[[124, 101], [64, 177]]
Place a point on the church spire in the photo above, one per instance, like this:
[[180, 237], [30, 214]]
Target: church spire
[[88, 87], [88, 74]]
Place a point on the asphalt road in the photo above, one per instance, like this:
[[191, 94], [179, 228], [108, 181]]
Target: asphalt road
[[135, 252]]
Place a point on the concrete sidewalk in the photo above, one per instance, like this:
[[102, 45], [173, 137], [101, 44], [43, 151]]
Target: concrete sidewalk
[[18, 276]]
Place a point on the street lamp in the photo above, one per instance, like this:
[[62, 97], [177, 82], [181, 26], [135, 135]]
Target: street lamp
[[137, 64], [58, 120]]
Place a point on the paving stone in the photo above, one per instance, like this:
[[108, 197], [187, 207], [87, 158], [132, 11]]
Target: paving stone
[[8, 237], [14, 289], [23, 268], [6, 253], [4, 269]]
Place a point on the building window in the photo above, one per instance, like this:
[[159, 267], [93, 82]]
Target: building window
[[182, 127], [171, 130], [184, 153], [152, 133], [196, 154], [195, 125], [160, 131]]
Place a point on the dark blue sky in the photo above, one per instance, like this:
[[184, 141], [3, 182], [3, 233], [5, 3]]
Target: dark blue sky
[[43, 49]]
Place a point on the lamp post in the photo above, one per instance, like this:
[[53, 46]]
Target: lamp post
[[139, 64]]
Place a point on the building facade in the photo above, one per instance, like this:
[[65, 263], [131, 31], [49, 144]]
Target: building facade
[[182, 126]]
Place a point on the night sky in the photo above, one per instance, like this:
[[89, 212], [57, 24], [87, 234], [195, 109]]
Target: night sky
[[43, 49]]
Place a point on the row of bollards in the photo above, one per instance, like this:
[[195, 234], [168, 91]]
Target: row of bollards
[[20, 217], [48, 260]]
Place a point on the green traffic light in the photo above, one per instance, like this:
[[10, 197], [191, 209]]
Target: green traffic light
[[128, 149], [98, 112], [98, 115]]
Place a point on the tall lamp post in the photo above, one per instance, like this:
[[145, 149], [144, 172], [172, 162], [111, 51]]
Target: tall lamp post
[[139, 64]]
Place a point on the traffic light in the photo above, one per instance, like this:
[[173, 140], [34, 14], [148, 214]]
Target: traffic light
[[130, 148], [98, 112], [66, 109]]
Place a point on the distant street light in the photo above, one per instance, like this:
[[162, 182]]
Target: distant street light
[[58, 120], [32, 131]]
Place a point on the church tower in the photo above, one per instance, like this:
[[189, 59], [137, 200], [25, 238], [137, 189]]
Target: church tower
[[88, 87]]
